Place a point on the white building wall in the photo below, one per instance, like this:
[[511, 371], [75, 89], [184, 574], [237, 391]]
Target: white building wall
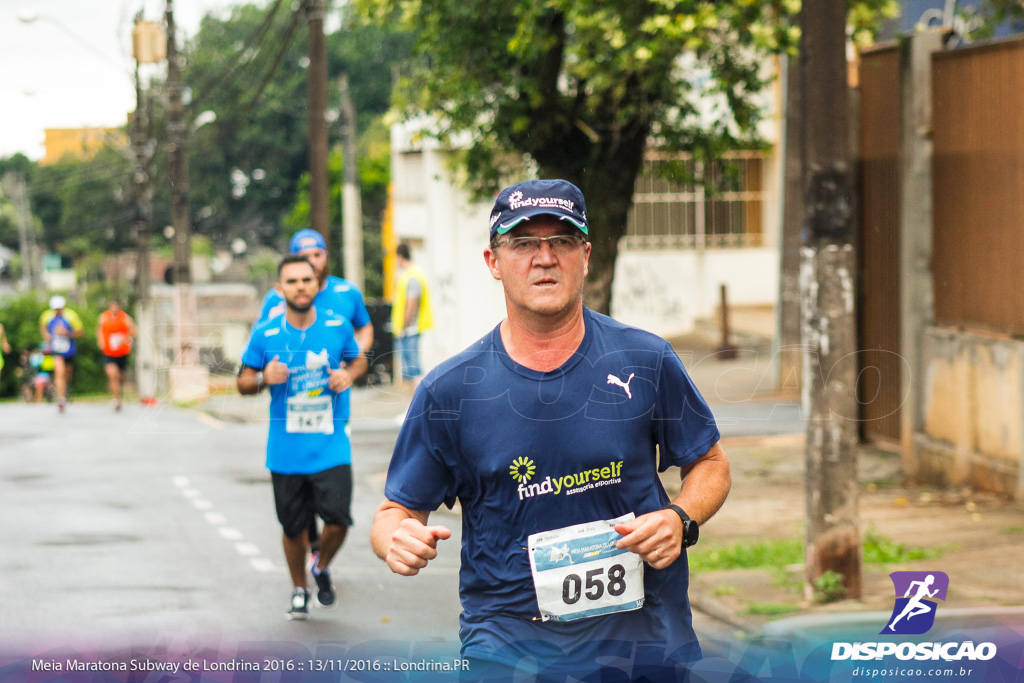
[[663, 291], [667, 291], [448, 233]]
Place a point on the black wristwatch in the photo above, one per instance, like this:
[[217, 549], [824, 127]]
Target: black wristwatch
[[691, 530]]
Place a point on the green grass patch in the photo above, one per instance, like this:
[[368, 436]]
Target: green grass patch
[[1010, 530], [778, 554], [719, 591], [881, 550], [771, 609], [755, 555]]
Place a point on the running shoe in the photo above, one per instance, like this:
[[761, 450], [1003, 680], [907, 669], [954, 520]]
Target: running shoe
[[300, 604], [325, 590], [60, 406]]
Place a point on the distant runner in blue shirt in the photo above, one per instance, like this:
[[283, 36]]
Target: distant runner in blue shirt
[[309, 359], [551, 432], [336, 295]]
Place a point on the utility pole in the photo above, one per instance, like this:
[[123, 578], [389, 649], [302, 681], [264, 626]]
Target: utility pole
[[148, 47], [14, 186], [790, 322], [351, 202], [317, 96], [189, 380], [827, 270]]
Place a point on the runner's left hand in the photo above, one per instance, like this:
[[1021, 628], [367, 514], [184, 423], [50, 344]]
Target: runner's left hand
[[656, 537], [339, 380]]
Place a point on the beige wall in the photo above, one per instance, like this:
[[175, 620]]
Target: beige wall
[[972, 420]]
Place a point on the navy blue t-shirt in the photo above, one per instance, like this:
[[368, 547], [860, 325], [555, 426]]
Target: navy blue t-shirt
[[593, 435]]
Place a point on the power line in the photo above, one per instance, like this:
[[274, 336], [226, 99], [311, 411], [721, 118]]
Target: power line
[[257, 36]]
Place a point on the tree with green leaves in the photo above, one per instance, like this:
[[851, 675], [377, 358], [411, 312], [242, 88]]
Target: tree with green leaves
[[580, 88], [83, 204], [249, 68]]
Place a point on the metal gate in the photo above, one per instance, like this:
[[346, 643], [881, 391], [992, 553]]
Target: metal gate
[[878, 386]]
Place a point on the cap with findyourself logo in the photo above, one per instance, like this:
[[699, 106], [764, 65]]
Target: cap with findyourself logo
[[523, 201], [307, 239]]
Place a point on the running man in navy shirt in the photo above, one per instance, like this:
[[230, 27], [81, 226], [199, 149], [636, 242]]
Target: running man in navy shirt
[[551, 432], [309, 359]]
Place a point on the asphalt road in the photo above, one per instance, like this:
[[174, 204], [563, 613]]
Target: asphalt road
[[155, 529], [152, 533]]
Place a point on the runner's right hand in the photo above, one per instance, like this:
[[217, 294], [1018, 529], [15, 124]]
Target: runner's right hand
[[413, 545], [276, 372]]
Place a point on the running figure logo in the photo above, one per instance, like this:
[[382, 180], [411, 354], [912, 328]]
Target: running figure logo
[[612, 379], [914, 612]]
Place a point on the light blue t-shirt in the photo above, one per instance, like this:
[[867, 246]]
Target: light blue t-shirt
[[338, 297], [303, 409]]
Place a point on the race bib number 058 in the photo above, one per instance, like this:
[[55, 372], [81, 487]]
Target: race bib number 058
[[578, 572]]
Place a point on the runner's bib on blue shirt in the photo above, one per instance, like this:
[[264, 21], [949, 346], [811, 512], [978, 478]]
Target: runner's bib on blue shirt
[[307, 431]]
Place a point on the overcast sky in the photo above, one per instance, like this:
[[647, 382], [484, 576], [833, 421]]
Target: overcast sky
[[72, 66]]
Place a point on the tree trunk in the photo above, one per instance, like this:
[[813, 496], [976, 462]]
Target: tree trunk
[[607, 185], [828, 301]]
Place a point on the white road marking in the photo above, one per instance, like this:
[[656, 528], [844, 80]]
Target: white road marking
[[215, 519], [262, 564], [209, 421]]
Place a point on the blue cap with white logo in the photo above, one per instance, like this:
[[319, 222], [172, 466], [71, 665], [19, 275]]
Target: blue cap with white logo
[[523, 201], [307, 239]]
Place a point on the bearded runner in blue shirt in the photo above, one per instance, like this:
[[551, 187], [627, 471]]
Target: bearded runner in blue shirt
[[550, 432], [336, 295], [309, 359]]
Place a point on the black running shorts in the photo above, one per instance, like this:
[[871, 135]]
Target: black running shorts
[[298, 496], [120, 361]]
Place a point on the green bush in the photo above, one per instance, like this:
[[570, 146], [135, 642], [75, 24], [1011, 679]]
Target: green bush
[[20, 318], [829, 587]]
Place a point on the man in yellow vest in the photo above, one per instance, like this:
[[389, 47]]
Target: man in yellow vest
[[410, 314]]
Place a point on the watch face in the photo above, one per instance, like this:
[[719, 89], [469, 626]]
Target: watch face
[[691, 532]]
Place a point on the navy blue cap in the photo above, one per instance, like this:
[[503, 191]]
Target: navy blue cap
[[307, 239], [523, 201]]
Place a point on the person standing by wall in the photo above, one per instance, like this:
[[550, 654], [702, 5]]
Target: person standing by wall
[[411, 314]]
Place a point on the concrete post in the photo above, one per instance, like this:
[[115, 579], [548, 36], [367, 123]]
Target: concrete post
[[917, 299]]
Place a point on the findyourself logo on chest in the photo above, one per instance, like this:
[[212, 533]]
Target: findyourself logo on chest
[[524, 472]]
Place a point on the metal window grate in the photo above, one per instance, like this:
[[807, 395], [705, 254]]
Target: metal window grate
[[724, 211]]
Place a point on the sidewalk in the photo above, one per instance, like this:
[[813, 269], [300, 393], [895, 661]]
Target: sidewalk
[[975, 538]]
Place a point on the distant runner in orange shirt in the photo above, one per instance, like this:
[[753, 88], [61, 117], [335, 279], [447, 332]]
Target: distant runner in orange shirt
[[114, 335]]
